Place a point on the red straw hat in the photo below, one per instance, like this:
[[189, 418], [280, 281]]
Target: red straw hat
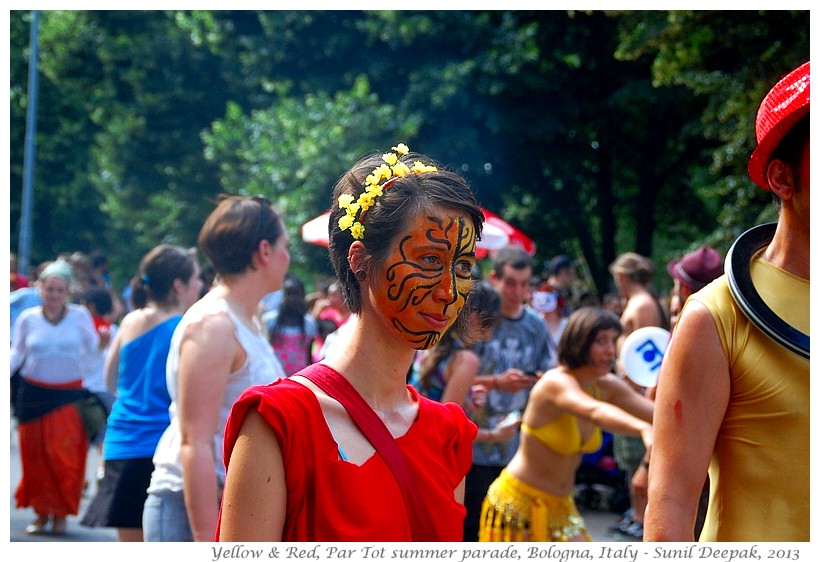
[[782, 107], [697, 269]]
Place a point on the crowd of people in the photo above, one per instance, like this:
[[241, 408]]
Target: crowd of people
[[229, 403]]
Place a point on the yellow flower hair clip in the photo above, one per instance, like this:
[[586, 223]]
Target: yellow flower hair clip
[[373, 187]]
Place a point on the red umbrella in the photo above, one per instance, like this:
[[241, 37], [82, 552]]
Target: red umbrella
[[515, 236], [314, 231]]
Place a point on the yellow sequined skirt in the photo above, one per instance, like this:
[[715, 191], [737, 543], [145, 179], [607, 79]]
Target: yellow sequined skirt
[[515, 511]]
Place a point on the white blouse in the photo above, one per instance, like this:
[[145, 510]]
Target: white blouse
[[53, 354]]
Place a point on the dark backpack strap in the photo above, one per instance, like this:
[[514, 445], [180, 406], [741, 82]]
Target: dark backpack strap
[[369, 423]]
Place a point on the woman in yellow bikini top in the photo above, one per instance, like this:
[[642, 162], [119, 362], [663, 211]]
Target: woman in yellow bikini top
[[567, 410], [564, 436]]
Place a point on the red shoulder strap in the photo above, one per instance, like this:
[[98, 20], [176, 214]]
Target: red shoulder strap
[[340, 389]]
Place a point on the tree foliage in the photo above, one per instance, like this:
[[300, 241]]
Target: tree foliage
[[594, 132], [730, 60], [294, 151]]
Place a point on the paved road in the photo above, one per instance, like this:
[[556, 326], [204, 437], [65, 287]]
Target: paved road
[[19, 518], [598, 522]]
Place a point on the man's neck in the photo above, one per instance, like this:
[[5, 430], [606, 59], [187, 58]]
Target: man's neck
[[789, 249], [512, 311]]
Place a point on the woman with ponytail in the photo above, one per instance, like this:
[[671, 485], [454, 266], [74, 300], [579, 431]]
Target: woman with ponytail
[[167, 285]]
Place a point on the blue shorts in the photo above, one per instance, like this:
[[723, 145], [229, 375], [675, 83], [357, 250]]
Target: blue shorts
[[164, 518]]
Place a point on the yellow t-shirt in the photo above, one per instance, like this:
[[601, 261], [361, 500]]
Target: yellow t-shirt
[[759, 473]]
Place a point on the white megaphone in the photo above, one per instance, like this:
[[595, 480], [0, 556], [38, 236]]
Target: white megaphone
[[642, 353]]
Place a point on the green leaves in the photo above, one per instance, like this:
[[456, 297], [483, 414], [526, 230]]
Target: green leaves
[[594, 132], [294, 151]]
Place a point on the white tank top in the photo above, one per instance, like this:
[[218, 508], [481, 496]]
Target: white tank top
[[261, 367]]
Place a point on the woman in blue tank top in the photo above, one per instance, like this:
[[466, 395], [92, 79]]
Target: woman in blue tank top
[[168, 284]]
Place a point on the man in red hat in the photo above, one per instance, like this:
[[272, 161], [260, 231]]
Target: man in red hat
[[733, 392]]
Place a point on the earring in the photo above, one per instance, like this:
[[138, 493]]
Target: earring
[[361, 275]]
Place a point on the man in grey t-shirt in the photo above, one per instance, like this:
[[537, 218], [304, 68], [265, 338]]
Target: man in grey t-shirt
[[517, 350]]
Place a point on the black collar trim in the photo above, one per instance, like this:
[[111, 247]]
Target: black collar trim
[[737, 267]]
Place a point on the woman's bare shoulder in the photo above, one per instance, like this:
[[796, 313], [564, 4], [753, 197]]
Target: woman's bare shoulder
[[554, 381], [610, 383], [213, 324]]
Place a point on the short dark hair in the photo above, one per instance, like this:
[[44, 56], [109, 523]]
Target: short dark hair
[[232, 232], [789, 148], [486, 302], [582, 328], [100, 297], [512, 256], [98, 258], [559, 263], [400, 202]]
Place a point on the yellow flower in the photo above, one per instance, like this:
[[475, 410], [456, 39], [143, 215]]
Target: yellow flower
[[345, 222], [365, 201], [401, 169], [383, 172], [418, 167], [345, 200], [357, 230], [374, 189]]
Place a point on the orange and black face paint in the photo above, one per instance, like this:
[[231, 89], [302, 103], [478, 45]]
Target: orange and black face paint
[[428, 277]]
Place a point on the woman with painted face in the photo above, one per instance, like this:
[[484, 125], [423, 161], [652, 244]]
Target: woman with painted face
[[532, 499], [346, 450]]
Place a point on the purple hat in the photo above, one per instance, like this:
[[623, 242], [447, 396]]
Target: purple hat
[[697, 269]]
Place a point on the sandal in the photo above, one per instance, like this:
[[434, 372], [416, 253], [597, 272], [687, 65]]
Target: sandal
[[38, 526], [634, 530], [58, 526]]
